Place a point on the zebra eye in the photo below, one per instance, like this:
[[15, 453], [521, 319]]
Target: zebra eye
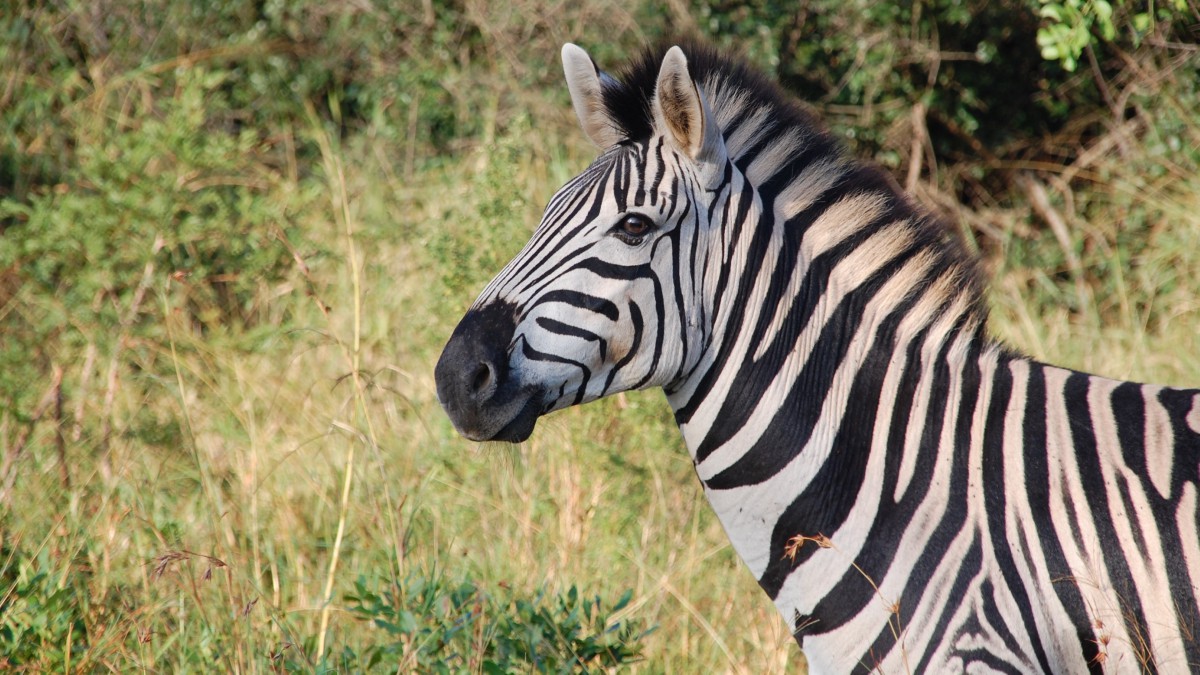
[[633, 227]]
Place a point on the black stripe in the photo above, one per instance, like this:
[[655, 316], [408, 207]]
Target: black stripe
[[581, 300], [659, 172], [1088, 459], [1131, 515], [620, 188], [681, 308], [603, 268], [635, 318], [994, 471], [535, 355], [1129, 412], [560, 328], [1037, 482]]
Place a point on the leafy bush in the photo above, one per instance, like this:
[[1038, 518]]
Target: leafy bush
[[975, 66], [1073, 26], [41, 614], [434, 625]]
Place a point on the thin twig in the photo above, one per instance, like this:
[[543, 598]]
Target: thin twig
[[1040, 202], [9, 469], [60, 440], [917, 150]]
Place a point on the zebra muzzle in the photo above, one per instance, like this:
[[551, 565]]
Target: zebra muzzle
[[474, 382]]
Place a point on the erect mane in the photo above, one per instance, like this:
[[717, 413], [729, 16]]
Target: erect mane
[[753, 112], [732, 88]]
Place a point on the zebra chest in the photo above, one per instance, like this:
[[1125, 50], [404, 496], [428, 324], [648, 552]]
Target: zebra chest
[[959, 621]]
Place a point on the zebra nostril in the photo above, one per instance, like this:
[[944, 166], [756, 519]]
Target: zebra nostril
[[482, 378]]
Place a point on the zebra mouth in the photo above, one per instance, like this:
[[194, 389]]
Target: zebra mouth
[[484, 399], [521, 427]]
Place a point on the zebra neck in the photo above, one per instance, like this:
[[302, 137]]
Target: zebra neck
[[782, 418], [815, 470]]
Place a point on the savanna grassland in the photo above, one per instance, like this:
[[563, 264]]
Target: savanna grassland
[[234, 237]]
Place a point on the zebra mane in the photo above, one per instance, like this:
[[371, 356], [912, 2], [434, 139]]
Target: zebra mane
[[731, 86], [753, 111]]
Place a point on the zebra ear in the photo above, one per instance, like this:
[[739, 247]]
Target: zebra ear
[[584, 80], [681, 111]]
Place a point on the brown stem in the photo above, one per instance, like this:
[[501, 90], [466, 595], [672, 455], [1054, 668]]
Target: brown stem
[[9, 468]]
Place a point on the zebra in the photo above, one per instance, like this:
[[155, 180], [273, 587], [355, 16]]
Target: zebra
[[911, 494]]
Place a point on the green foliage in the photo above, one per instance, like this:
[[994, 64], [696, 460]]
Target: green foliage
[[1068, 28], [437, 626], [41, 614], [975, 67], [971, 63], [1072, 26], [148, 193]]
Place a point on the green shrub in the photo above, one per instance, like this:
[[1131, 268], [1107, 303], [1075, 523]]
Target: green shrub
[[975, 66], [1071, 27], [41, 614], [431, 624]]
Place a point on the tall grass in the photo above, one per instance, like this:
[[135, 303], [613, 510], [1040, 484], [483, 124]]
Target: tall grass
[[244, 492], [243, 467]]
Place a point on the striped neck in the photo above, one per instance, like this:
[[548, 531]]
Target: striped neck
[[847, 302]]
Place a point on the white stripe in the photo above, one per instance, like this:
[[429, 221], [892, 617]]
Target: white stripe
[[1160, 441], [747, 132], [749, 513], [782, 148], [1149, 576], [852, 272]]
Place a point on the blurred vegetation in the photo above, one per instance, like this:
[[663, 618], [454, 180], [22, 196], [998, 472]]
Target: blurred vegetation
[[234, 236]]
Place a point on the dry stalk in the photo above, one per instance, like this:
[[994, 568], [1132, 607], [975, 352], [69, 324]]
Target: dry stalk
[[9, 468], [916, 151], [1040, 202], [352, 354]]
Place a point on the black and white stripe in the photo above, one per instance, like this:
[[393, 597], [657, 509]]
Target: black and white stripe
[[913, 496]]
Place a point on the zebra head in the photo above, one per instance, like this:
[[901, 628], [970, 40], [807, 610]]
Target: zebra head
[[598, 301]]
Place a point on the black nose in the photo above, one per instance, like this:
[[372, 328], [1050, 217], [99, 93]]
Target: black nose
[[475, 360], [472, 373]]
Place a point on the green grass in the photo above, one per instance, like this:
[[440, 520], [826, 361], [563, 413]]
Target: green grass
[[249, 471]]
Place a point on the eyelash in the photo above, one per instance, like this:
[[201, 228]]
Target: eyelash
[[641, 225]]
